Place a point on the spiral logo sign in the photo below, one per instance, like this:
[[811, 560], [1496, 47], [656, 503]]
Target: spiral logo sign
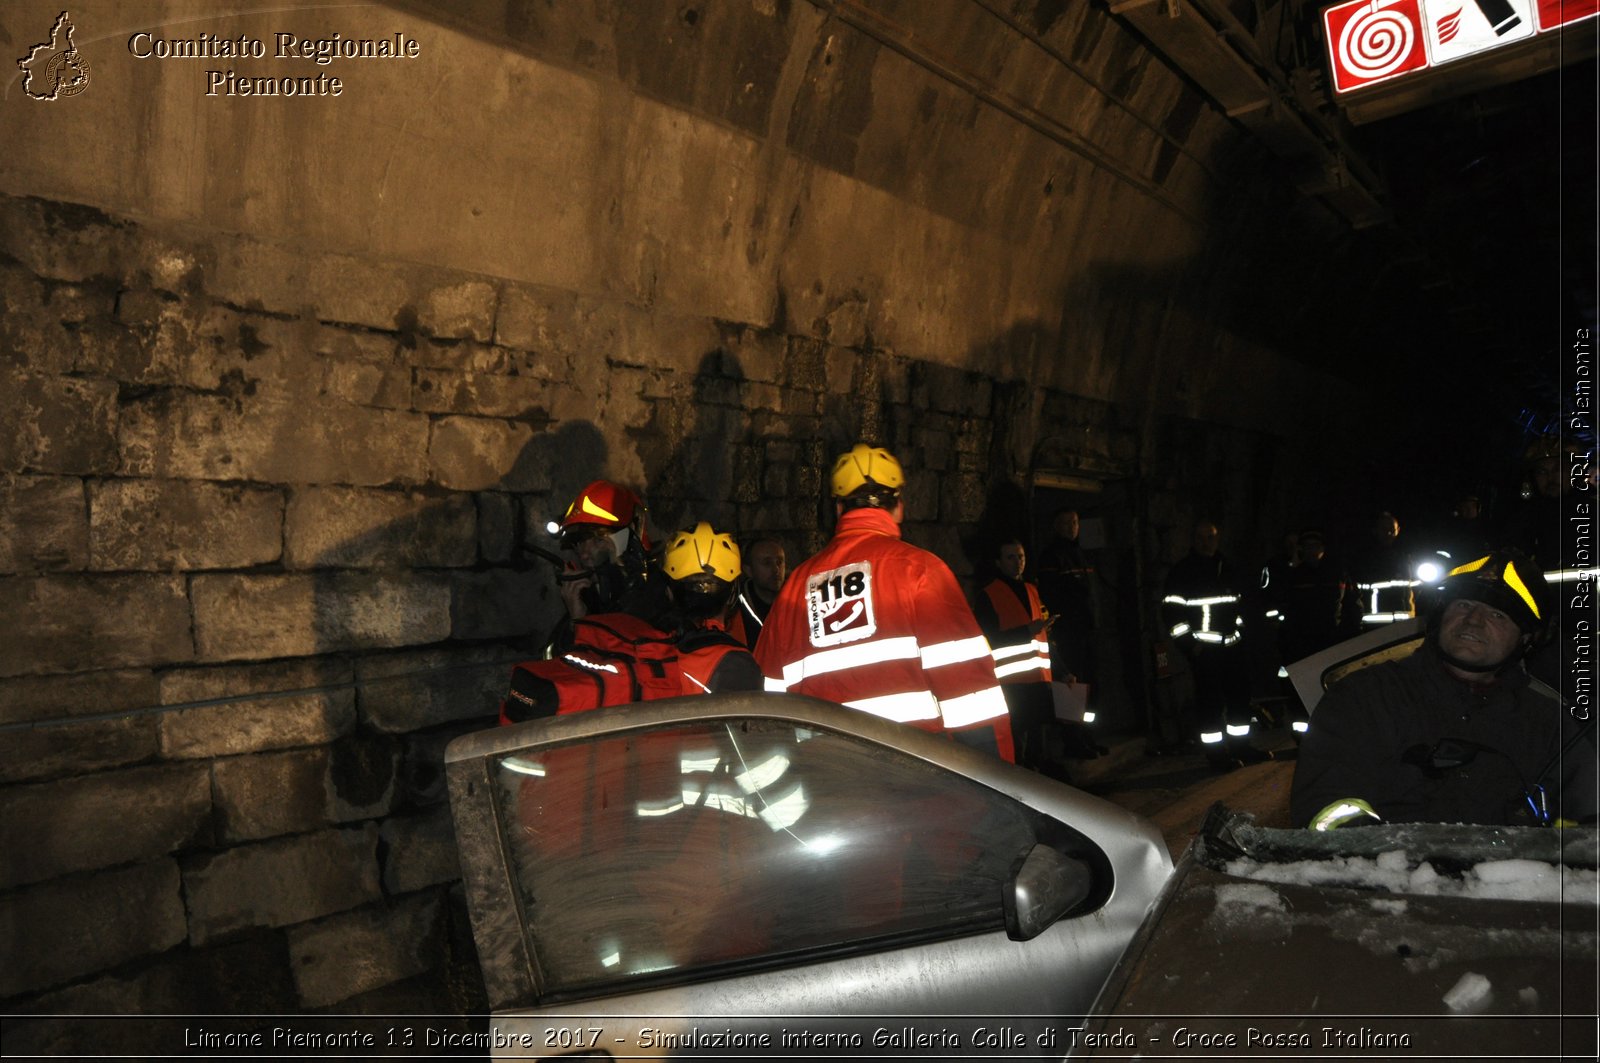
[[1373, 40], [1376, 43]]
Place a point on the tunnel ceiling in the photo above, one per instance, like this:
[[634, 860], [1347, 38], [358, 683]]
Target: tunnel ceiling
[[1470, 191], [1445, 249]]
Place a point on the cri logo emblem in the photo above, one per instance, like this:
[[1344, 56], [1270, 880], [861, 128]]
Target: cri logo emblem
[[55, 69]]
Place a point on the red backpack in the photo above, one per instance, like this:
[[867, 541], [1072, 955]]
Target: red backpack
[[614, 659]]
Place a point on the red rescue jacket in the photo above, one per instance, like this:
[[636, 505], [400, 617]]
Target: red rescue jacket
[[877, 624]]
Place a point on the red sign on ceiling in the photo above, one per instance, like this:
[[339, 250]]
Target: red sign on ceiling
[[1374, 40], [1370, 41], [1553, 13]]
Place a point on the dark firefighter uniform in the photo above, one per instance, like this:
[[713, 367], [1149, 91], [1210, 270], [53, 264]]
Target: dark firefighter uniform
[[1441, 737], [1204, 613]]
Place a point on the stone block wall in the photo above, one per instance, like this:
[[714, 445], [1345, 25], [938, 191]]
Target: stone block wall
[[262, 518]]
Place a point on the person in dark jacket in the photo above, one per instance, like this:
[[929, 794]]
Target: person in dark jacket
[[1311, 596], [1383, 581], [1455, 732], [765, 567], [609, 564], [1015, 622], [1065, 579], [1203, 610]]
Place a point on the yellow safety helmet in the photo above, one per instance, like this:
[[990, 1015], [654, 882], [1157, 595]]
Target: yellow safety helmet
[[701, 551], [864, 465]]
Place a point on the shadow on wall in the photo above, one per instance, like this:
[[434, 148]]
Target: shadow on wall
[[744, 454], [697, 453], [447, 571], [422, 599]]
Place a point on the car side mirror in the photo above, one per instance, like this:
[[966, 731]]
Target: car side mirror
[[1045, 885]]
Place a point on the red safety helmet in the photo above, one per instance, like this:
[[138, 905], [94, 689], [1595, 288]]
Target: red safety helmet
[[607, 506]]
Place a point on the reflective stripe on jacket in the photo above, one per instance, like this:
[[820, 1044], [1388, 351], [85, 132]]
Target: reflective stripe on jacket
[[1203, 602], [1214, 620], [877, 624], [1019, 655], [748, 616], [1387, 601]]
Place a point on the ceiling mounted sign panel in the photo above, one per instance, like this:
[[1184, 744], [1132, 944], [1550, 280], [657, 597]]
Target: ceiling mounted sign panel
[[1553, 13], [1459, 28], [1374, 41]]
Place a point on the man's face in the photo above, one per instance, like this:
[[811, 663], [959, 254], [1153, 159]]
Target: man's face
[[1206, 539], [766, 565], [1547, 478], [1012, 560], [1066, 525], [594, 547], [1478, 634]]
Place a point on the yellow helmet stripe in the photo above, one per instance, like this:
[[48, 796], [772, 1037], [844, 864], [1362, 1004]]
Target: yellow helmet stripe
[[594, 510], [1470, 566], [1514, 581]]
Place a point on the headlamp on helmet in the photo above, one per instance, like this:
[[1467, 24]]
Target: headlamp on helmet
[[868, 473], [1504, 580]]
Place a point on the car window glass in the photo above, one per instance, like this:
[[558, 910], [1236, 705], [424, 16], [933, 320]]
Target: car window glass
[[650, 855]]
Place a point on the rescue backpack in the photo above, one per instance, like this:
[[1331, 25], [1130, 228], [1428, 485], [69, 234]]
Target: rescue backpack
[[615, 659]]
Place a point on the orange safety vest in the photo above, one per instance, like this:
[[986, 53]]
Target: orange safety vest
[[1024, 657]]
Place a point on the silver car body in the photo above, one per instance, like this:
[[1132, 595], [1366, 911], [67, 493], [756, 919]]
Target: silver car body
[[813, 874]]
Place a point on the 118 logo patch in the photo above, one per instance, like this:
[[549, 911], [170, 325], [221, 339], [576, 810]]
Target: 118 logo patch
[[839, 605]]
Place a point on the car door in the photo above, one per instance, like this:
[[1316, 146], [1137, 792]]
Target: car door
[[697, 873]]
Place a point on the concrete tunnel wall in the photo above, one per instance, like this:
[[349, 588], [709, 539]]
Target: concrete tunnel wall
[[287, 382]]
